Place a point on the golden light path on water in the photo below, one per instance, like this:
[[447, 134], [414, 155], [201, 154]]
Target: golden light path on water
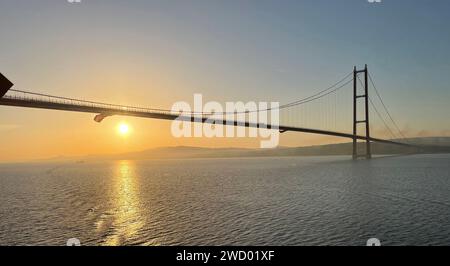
[[127, 215]]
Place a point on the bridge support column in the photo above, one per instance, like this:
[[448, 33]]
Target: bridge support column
[[355, 117], [356, 121]]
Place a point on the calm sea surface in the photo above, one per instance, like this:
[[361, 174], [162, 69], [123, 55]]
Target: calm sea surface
[[246, 201]]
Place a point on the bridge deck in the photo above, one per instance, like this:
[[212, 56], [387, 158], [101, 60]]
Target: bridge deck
[[110, 109]]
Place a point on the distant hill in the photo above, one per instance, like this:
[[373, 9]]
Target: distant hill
[[428, 145]]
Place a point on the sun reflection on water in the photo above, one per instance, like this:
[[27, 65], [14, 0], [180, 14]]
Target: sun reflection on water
[[127, 212]]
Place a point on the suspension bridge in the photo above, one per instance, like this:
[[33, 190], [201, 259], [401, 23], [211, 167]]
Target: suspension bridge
[[326, 112]]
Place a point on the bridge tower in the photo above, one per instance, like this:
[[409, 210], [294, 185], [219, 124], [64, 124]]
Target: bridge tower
[[357, 96]]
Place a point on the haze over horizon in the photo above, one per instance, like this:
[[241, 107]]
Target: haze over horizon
[[154, 53]]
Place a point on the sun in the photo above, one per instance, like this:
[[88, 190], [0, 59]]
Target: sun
[[123, 129]]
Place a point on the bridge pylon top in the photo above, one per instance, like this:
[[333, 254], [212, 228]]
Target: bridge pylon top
[[5, 85]]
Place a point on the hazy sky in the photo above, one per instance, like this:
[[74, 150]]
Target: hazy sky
[[153, 53]]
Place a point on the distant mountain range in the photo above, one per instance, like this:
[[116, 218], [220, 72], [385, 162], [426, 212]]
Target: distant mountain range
[[427, 145]]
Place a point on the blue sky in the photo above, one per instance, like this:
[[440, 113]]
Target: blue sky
[[230, 50]]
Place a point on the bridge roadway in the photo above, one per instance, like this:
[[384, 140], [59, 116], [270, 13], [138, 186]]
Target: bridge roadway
[[110, 110]]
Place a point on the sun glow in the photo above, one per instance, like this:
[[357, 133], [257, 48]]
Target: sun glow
[[123, 129]]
